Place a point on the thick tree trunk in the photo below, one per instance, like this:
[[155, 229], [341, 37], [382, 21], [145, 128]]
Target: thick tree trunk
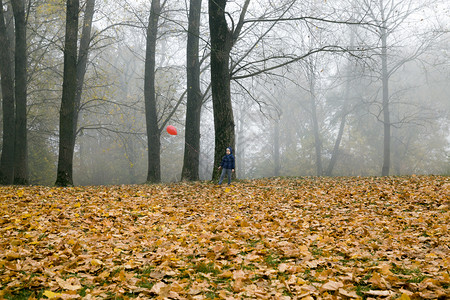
[[7, 84], [83, 55], [153, 133], [67, 111], [221, 43], [20, 147], [194, 96], [386, 113]]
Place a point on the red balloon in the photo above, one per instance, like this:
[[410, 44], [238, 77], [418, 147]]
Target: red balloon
[[171, 130]]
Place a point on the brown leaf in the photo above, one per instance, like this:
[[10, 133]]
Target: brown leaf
[[71, 284], [331, 286]]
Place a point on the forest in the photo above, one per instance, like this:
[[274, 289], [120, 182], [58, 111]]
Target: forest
[[296, 88]]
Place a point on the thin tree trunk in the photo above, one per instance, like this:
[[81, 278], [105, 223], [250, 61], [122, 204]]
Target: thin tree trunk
[[276, 148], [241, 142], [67, 111], [194, 96], [153, 133], [317, 139], [386, 113], [20, 147], [7, 84], [344, 112], [83, 55]]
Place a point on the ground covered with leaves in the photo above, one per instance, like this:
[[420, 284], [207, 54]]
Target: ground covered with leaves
[[289, 238]]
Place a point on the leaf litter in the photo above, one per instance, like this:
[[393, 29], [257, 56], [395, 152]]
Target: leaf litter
[[279, 238]]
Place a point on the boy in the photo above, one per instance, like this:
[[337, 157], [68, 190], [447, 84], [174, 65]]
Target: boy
[[227, 165]]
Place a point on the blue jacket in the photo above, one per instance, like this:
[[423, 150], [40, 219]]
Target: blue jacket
[[228, 160]]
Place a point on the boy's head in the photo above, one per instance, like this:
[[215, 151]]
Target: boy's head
[[228, 151]]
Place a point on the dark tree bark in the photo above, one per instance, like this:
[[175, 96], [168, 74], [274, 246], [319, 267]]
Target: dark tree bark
[[20, 93], [7, 84], [222, 40], [153, 133], [194, 96], [83, 55], [67, 111]]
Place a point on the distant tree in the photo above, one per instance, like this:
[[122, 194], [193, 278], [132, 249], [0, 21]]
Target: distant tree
[[343, 113], [20, 147], [311, 74], [64, 175], [391, 18], [7, 87]]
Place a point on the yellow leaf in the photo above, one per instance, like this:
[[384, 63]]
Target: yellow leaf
[[96, 262], [51, 295], [404, 297], [226, 274]]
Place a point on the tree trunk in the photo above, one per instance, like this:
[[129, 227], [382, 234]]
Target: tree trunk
[[20, 147], [221, 43], [335, 154], [241, 142], [83, 55], [194, 96], [276, 148], [317, 139], [153, 133], [344, 112], [386, 113], [67, 111], [7, 84]]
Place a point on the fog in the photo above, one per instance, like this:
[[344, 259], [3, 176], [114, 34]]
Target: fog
[[308, 95]]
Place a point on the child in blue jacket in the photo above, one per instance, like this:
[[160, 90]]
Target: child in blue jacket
[[227, 165]]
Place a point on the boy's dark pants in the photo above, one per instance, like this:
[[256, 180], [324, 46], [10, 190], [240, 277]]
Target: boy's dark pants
[[228, 172]]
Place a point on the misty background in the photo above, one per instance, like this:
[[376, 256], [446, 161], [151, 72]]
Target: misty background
[[294, 114]]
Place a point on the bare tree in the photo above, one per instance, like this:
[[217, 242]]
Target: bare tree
[[194, 96], [153, 132], [83, 56], [21, 144], [390, 16], [344, 112], [7, 84], [67, 112], [222, 41]]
